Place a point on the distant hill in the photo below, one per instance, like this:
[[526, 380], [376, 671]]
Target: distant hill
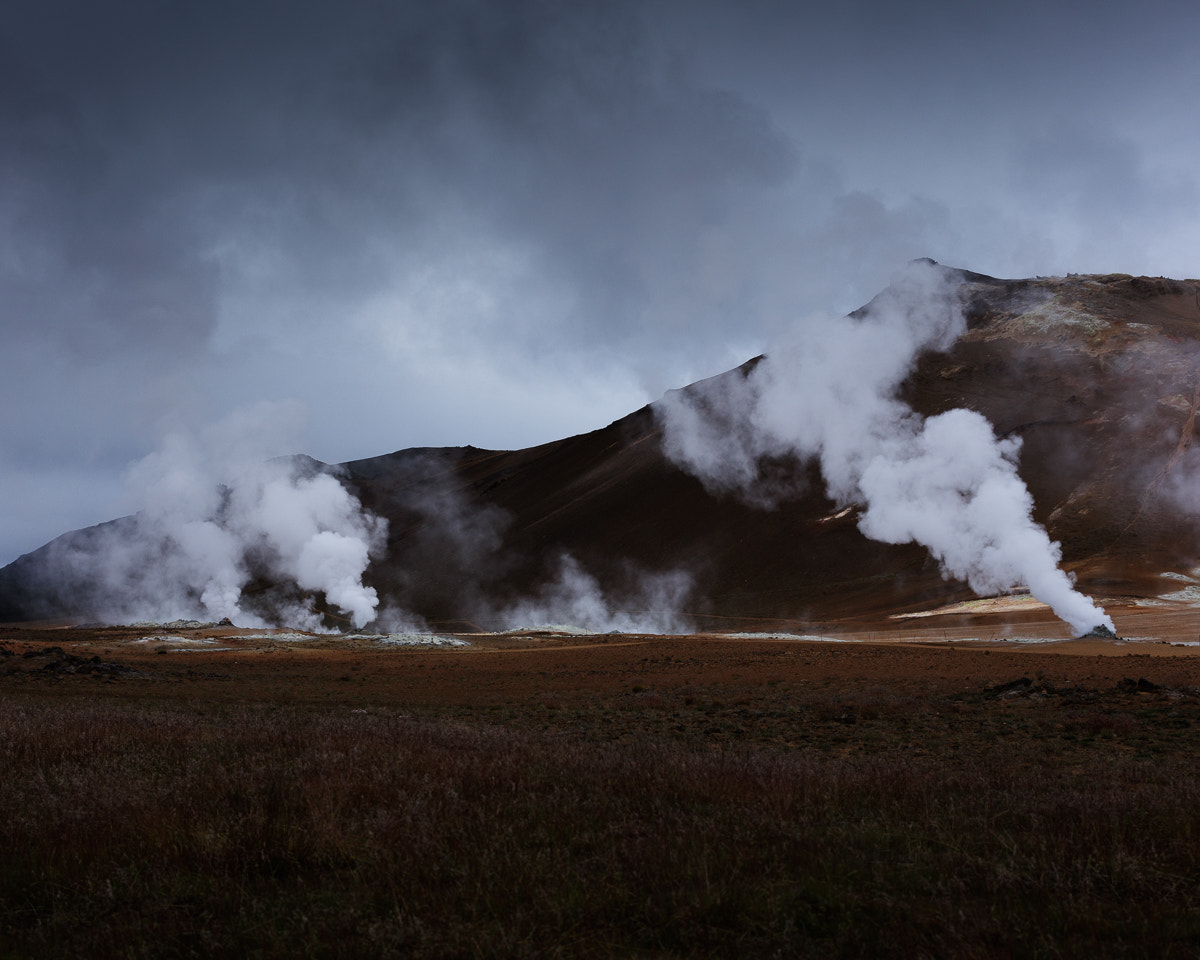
[[1098, 375]]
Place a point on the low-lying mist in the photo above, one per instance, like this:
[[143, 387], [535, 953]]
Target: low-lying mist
[[575, 598], [450, 550]]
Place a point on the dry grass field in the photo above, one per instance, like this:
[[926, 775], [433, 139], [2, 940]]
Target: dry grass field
[[922, 788]]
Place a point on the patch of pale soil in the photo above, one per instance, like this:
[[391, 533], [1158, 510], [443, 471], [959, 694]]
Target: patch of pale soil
[[808, 637], [413, 640], [287, 636], [1188, 596], [983, 605], [562, 629]]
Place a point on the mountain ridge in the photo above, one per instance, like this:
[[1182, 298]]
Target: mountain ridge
[[1098, 375]]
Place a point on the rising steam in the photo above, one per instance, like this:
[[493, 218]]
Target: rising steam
[[575, 598], [215, 521], [832, 393], [221, 532]]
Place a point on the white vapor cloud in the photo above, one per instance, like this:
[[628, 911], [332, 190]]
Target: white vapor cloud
[[831, 393], [574, 598], [214, 517], [952, 487]]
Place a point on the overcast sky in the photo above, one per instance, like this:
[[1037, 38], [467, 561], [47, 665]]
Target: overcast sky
[[500, 223]]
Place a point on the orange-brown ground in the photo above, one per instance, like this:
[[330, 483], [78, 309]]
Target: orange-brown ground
[[937, 654]]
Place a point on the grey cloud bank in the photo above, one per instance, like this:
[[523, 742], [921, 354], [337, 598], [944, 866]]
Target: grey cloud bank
[[500, 223]]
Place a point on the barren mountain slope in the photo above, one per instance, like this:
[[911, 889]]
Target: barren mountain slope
[[1099, 376]]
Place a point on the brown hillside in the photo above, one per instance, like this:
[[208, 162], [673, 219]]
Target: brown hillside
[[1099, 376]]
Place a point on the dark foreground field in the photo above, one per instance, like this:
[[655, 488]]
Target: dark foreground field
[[600, 797]]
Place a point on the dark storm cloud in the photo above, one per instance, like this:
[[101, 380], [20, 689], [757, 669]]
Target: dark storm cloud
[[140, 139], [498, 222], [179, 181]]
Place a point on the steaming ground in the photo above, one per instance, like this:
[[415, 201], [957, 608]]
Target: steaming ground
[[1173, 617], [1166, 634]]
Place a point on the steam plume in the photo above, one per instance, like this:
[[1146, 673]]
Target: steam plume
[[214, 518], [831, 393], [575, 598]]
